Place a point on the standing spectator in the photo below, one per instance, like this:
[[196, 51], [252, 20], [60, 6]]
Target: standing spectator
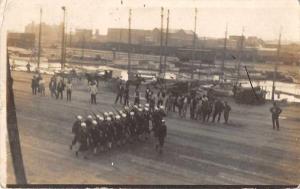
[[276, 111], [52, 86], [126, 95], [28, 67], [219, 107], [34, 85], [137, 97], [93, 90], [42, 86], [120, 92], [69, 87], [147, 94], [185, 106], [227, 109], [60, 88]]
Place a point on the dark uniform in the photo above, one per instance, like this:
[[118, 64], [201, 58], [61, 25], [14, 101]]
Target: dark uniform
[[276, 111], [162, 133], [120, 93], [75, 131], [126, 95]]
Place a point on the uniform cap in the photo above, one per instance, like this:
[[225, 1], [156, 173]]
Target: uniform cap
[[147, 109], [155, 108], [163, 121], [79, 117], [161, 107], [101, 118], [83, 124], [135, 106], [94, 122], [97, 116], [123, 115], [126, 108], [131, 113], [118, 117], [110, 113], [105, 113], [140, 105], [89, 117], [140, 109], [146, 105], [108, 119]]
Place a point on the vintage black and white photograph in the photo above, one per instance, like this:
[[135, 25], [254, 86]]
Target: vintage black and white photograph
[[149, 92]]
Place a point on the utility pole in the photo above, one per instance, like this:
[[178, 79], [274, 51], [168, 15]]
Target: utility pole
[[82, 44], [70, 38], [63, 39], [161, 39], [194, 44], [240, 56], [129, 45], [224, 52], [40, 38], [166, 44], [276, 65]]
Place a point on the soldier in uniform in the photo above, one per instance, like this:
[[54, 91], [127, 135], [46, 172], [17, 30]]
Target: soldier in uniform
[[227, 109], [110, 133], [275, 111], [94, 136], [161, 135], [76, 130], [89, 123], [82, 138], [132, 127], [137, 97]]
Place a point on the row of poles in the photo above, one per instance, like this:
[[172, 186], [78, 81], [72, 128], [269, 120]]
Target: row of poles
[[164, 47]]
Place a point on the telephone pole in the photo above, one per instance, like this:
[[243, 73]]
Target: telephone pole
[[240, 56], [276, 65], [166, 44], [63, 39], [194, 44], [129, 45], [161, 40], [224, 52], [40, 38]]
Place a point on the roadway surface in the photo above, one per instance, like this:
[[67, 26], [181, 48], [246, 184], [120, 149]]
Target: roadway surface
[[247, 151]]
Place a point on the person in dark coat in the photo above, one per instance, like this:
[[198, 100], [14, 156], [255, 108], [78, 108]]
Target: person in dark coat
[[137, 97], [120, 91], [82, 138], [219, 107], [162, 133], [126, 95], [76, 130], [275, 111], [34, 85], [60, 88]]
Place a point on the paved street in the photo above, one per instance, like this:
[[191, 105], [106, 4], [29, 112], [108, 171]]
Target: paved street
[[247, 151]]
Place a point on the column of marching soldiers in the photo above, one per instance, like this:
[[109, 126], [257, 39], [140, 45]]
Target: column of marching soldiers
[[105, 131]]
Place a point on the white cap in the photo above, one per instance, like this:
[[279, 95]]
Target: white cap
[[101, 118], [94, 122], [140, 105], [123, 115], [98, 116], [140, 109], [147, 109], [108, 119], [83, 124], [79, 117], [146, 105], [163, 121], [89, 117], [118, 117], [105, 113], [161, 107], [131, 113], [155, 108], [135, 106], [126, 108], [120, 111], [110, 113]]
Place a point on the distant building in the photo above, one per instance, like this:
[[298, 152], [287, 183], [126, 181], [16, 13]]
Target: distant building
[[51, 34], [21, 40], [83, 35], [176, 38]]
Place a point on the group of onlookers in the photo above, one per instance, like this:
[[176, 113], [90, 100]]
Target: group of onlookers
[[38, 85]]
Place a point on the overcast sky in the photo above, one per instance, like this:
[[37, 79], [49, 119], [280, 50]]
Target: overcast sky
[[262, 18]]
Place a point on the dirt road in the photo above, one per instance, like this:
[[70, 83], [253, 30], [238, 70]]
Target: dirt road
[[247, 151]]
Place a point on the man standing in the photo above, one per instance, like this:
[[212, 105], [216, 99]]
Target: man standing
[[276, 111], [34, 85], [28, 67], [120, 92], [93, 90], [76, 130], [162, 133], [227, 109], [69, 89], [60, 88], [126, 95], [137, 97], [218, 110]]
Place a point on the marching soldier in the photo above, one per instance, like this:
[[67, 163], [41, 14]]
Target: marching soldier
[[82, 140], [76, 130], [137, 97], [110, 133], [275, 111]]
